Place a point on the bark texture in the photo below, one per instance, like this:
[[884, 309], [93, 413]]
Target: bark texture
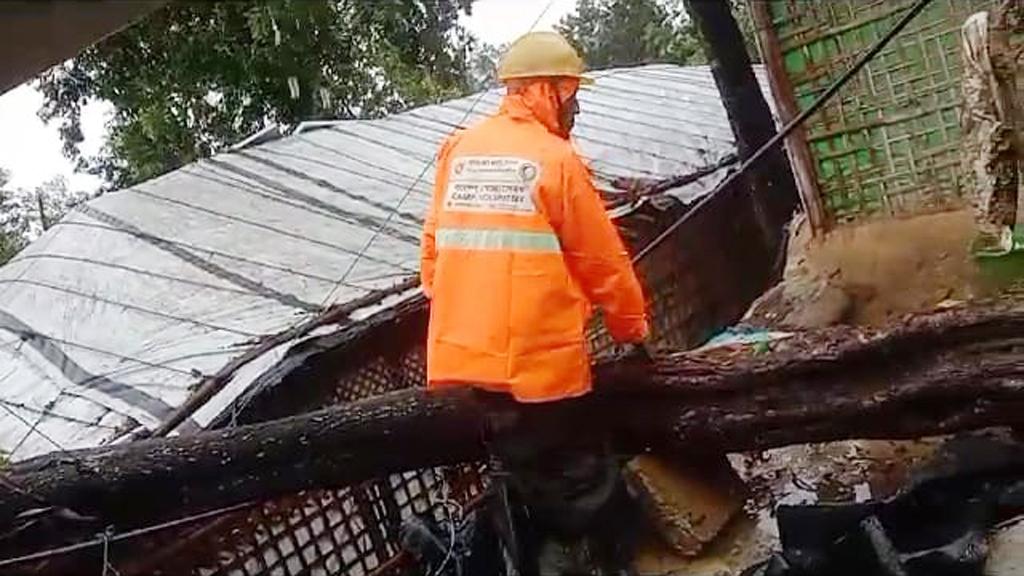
[[773, 188], [931, 374]]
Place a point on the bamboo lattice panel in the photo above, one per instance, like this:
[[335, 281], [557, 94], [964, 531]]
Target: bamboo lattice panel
[[889, 141], [353, 531]]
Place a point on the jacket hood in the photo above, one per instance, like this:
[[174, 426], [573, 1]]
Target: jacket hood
[[540, 99]]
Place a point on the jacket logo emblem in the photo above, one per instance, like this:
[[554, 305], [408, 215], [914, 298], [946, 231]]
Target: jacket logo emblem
[[495, 184]]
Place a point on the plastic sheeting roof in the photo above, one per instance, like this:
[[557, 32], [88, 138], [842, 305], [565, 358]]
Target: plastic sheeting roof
[[117, 312]]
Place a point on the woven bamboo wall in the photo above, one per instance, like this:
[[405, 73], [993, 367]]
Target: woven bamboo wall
[[889, 142]]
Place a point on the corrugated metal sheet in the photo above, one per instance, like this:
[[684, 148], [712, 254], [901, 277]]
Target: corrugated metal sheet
[[118, 311]]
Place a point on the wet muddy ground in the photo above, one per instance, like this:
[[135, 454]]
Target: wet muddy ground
[[835, 472], [866, 274]]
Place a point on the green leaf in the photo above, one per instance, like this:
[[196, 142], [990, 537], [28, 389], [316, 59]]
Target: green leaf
[[612, 33], [195, 77]]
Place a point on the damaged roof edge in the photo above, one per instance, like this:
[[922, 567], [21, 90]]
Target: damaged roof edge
[[351, 341], [350, 334], [319, 361]]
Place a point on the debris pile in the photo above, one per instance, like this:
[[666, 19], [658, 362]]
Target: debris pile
[[873, 273], [941, 523], [923, 373], [867, 506]]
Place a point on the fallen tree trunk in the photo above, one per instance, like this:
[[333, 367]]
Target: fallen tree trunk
[[932, 374]]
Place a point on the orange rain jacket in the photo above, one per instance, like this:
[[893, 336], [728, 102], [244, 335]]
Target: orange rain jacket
[[516, 246]]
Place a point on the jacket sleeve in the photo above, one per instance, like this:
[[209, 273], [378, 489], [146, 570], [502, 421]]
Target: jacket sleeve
[[597, 257], [428, 246]]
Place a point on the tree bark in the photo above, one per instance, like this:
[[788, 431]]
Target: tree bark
[[774, 190], [932, 374]]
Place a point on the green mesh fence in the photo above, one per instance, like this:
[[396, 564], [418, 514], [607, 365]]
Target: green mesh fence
[[889, 142]]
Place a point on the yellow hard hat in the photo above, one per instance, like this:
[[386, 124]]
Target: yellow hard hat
[[541, 54]]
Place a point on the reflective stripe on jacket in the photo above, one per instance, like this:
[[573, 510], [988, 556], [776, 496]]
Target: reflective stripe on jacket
[[516, 248]]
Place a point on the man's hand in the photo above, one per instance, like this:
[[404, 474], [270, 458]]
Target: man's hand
[[636, 352]]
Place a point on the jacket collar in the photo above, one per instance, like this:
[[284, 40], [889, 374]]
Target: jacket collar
[[537, 102]]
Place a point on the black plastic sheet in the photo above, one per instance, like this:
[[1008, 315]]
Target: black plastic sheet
[[938, 526]]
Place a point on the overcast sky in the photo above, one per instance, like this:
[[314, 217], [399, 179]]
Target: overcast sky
[[30, 150]]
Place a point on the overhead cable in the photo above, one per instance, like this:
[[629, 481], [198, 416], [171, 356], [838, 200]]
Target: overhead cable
[[115, 537]]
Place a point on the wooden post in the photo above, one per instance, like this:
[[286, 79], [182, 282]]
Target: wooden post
[[785, 100], [749, 114]]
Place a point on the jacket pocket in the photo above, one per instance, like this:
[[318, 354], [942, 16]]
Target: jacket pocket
[[546, 311], [471, 301]]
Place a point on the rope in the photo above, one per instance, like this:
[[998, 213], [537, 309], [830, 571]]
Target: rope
[[26, 334], [33, 429], [453, 518], [258, 225], [109, 537], [792, 125], [139, 271], [133, 307], [58, 415], [204, 249], [387, 221]]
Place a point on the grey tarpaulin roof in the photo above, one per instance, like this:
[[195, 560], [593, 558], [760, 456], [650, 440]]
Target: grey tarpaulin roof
[[116, 313]]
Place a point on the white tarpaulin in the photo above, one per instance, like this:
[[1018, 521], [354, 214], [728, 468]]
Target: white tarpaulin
[[116, 313]]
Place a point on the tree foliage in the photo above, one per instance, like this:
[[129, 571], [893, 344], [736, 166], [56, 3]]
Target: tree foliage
[[611, 33], [13, 227], [25, 214], [197, 76], [483, 65]]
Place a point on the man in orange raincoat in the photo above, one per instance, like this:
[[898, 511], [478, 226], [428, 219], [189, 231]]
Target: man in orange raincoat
[[517, 250]]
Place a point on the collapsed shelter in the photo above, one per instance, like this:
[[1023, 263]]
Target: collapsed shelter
[[205, 262]]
